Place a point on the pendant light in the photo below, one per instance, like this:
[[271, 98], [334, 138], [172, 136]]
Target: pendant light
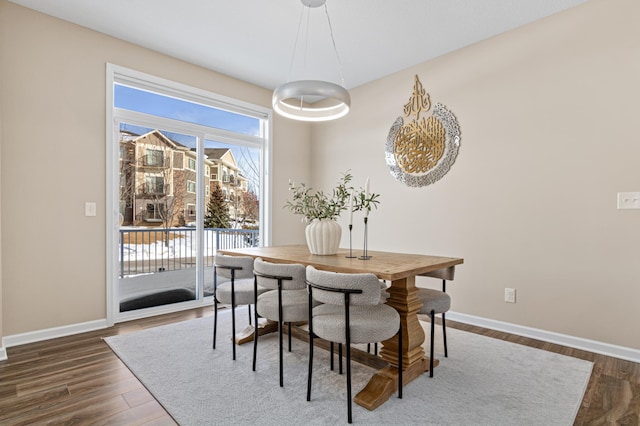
[[312, 100]]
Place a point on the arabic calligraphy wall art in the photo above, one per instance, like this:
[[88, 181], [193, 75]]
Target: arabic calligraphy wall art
[[421, 151]]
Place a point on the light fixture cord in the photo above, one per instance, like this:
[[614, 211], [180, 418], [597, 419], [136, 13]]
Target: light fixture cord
[[295, 45], [335, 49], [306, 47]]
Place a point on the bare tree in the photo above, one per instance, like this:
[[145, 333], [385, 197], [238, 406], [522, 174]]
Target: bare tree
[[127, 181], [249, 163], [163, 190], [153, 181], [250, 206]]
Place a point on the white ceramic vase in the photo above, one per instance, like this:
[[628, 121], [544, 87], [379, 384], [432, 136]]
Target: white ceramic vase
[[323, 236]]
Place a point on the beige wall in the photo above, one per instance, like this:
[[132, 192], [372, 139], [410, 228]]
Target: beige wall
[[53, 160], [2, 349], [547, 115]]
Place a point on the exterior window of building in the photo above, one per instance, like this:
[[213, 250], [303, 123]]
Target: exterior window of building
[[155, 185], [154, 158], [178, 160], [192, 164], [191, 211], [191, 186], [154, 212]]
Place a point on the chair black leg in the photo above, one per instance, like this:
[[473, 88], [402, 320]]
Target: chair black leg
[[255, 339], [339, 358], [433, 320], [400, 362], [444, 335], [233, 323], [331, 349], [348, 382], [215, 320], [289, 328], [375, 348], [280, 348], [310, 364], [255, 331], [310, 345]]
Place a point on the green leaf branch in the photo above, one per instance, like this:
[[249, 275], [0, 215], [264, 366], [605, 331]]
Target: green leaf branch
[[311, 204]]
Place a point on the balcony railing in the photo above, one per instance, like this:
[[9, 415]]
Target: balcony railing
[[144, 251]]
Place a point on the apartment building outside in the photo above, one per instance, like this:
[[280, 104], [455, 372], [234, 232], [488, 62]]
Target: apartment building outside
[[158, 180]]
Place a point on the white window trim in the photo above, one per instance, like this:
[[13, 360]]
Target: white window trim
[[189, 160], [122, 75]]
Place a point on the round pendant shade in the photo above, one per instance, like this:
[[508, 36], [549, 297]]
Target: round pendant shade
[[311, 100]]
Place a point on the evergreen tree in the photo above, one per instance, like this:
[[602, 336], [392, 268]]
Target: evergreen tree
[[217, 210]]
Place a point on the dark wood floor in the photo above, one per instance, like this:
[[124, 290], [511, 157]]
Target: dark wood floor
[[78, 380]]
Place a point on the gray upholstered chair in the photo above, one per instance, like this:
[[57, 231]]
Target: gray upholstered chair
[[286, 301], [349, 312], [384, 295], [436, 302], [232, 285]]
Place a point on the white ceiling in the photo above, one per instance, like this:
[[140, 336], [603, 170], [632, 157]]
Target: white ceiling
[[253, 40]]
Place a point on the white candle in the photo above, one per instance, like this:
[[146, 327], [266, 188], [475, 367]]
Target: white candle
[[351, 209], [366, 196]]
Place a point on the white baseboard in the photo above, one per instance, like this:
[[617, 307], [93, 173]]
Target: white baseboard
[[615, 351], [52, 333], [67, 330]]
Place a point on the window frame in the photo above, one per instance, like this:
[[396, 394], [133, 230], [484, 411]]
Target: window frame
[[191, 160], [191, 184], [155, 154], [120, 75], [188, 209]]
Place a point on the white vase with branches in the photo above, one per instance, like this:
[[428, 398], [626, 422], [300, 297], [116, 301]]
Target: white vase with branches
[[321, 211]]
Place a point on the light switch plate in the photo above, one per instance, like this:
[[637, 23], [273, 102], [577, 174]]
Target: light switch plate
[[89, 209], [628, 200]]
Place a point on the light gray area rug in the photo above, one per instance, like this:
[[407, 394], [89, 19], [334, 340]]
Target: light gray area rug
[[484, 381]]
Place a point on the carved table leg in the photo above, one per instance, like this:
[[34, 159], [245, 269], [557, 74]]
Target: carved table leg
[[403, 296]]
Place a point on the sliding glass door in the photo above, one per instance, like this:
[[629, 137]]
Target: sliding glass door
[[157, 238], [191, 178]]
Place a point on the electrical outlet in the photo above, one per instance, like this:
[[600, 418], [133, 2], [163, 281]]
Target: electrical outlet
[[628, 200], [510, 295]]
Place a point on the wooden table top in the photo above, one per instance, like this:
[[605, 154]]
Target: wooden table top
[[385, 265]]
